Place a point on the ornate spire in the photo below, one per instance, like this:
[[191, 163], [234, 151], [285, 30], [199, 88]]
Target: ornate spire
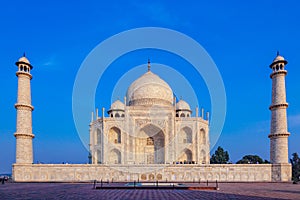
[[149, 66]]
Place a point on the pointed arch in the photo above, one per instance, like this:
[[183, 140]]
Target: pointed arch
[[98, 156], [98, 136], [203, 156], [114, 135], [186, 156], [114, 156], [186, 135], [202, 136], [151, 143]]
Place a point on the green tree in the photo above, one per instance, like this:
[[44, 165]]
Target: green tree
[[266, 162], [295, 161], [220, 156], [252, 159]]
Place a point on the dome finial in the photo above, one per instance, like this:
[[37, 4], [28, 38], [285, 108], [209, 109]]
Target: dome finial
[[149, 66], [277, 53], [24, 55]]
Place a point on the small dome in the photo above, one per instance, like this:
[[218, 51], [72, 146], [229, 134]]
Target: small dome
[[149, 89], [182, 105], [279, 58], [24, 59], [117, 105]]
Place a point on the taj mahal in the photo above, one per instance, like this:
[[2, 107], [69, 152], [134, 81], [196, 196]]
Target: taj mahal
[[150, 127], [151, 136]]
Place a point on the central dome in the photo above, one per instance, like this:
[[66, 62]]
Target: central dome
[[149, 89]]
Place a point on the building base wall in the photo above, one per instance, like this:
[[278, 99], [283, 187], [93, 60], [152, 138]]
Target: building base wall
[[211, 172]]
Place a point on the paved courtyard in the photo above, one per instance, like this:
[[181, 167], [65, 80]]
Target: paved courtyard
[[86, 191]]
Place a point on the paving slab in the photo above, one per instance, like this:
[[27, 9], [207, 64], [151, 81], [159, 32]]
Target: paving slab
[[85, 191]]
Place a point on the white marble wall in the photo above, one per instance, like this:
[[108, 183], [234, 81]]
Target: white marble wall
[[86, 172]]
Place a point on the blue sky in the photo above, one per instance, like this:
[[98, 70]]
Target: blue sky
[[241, 38]]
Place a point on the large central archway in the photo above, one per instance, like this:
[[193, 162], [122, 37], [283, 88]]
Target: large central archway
[[150, 145]]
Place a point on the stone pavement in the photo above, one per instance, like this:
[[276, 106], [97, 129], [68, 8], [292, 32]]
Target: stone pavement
[[85, 191]]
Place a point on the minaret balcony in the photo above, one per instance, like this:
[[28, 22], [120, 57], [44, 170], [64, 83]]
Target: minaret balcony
[[276, 106], [23, 105], [278, 73], [25, 73], [284, 134]]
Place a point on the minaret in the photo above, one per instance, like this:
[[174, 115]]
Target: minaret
[[24, 108], [279, 131]]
